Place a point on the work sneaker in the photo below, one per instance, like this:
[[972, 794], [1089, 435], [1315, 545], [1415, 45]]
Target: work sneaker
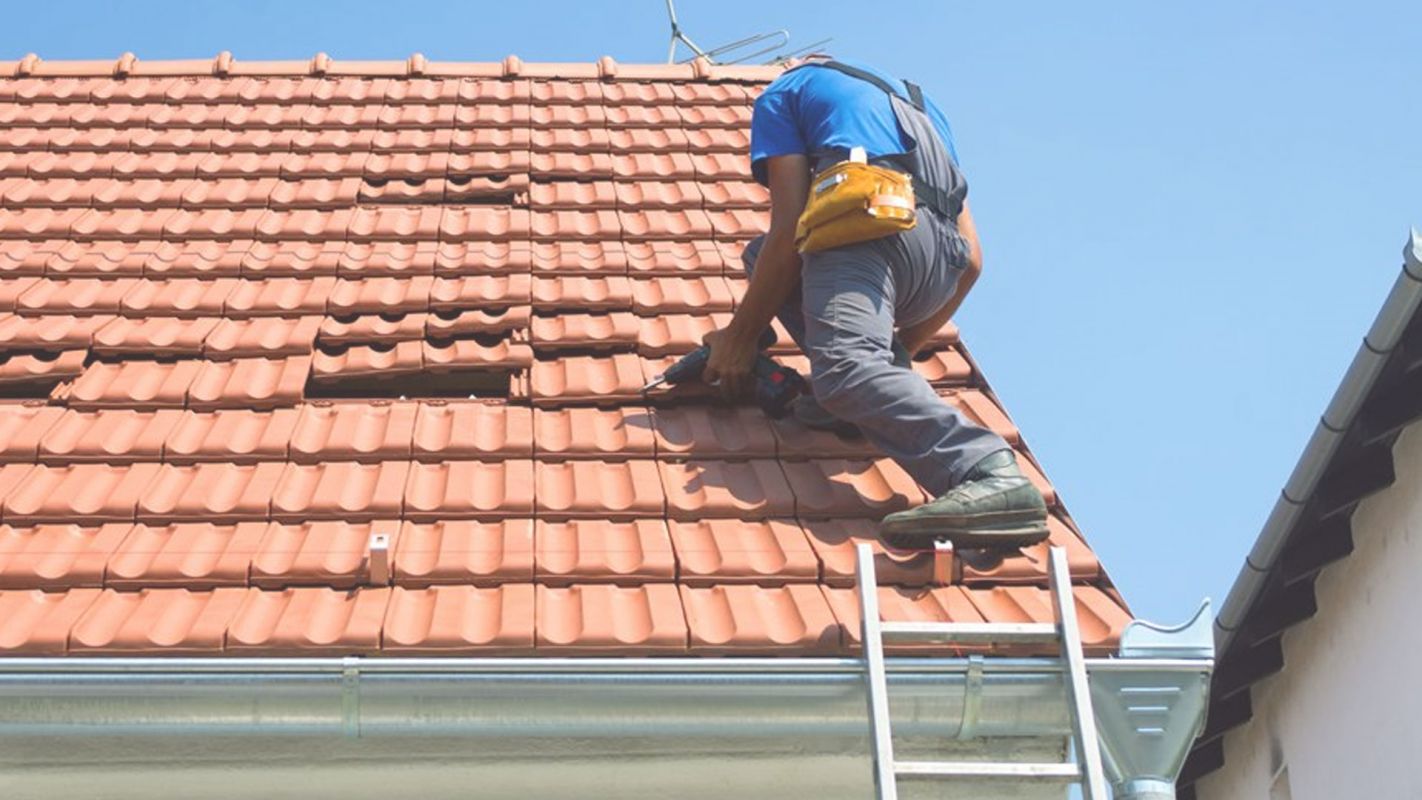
[[995, 506]]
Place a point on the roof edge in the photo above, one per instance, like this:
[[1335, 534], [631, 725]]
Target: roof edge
[[416, 66]]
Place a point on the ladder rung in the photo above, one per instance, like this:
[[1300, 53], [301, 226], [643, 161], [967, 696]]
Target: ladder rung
[[1047, 773], [971, 632]]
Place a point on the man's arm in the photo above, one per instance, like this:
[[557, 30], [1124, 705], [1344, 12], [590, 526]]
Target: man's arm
[[777, 271], [915, 336]]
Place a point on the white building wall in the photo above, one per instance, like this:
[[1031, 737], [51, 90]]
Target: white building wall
[[1345, 714]]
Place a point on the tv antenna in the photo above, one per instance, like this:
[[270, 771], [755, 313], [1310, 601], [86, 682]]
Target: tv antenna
[[739, 51]]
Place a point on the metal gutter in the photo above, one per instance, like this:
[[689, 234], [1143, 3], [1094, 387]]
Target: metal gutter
[[1397, 312]]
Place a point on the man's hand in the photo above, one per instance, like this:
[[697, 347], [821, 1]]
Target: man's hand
[[731, 363]]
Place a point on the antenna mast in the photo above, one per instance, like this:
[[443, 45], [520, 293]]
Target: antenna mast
[[730, 53]]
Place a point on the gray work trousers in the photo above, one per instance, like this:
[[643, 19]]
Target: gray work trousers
[[850, 301]]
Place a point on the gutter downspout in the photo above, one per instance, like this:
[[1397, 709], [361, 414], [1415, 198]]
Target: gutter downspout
[[1397, 311]]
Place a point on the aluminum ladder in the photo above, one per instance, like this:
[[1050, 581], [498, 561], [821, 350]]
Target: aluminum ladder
[[1086, 770]]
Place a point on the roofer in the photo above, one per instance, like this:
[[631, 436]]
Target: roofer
[[861, 310]]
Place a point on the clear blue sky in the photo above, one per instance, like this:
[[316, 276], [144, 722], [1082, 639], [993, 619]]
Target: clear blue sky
[[1191, 211]]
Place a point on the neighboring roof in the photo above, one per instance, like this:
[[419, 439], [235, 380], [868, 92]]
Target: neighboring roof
[[239, 302], [1348, 458]]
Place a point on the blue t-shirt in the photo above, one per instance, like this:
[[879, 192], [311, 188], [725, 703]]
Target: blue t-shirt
[[812, 109]]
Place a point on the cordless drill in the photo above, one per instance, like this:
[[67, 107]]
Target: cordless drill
[[776, 386]]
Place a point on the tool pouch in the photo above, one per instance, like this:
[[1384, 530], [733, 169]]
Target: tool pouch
[[854, 202]]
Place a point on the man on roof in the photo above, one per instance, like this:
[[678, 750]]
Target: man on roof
[[860, 311]]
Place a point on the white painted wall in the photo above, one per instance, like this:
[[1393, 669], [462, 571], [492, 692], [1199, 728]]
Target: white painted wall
[[1345, 715]]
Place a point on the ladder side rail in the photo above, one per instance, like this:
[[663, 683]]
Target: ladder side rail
[[1083, 717], [872, 640]]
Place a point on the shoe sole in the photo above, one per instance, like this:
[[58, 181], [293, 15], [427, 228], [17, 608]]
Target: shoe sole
[[987, 531]]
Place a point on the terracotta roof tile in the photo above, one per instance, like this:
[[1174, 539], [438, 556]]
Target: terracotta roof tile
[[602, 618], [945, 604], [107, 436], [596, 551], [57, 556], [752, 620], [235, 435], [194, 555], [464, 551], [265, 314]]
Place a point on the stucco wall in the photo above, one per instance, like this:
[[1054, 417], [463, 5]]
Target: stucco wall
[[1345, 715]]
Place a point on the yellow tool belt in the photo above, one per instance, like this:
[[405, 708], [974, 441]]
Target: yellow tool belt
[[855, 202]]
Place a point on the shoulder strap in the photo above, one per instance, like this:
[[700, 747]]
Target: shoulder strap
[[934, 197]]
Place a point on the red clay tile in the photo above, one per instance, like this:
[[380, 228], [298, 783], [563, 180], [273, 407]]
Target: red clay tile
[[210, 492], [834, 542], [155, 336], [40, 368], [194, 555], [754, 489], [579, 258], [660, 223], [237, 435], [665, 334], [479, 291], [195, 259], [34, 623], [453, 620], [1034, 474], [599, 551], [212, 223], [11, 289], [570, 194], [582, 293], [577, 225], [330, 553], [713, 551], [669, 195], [1029, 565], [464, 551], [380, 295], [108, 436], [182, 297], [92, 492], [77, 296], [796, 442], [371, 328], [149, 384], [394, 259], [469, 489], [482, 223], [22, 426], [374, 431], [612, 433], [615, 331], [712, 432], [586, 379], [835, 488], [733, 194], [731, 224], [344, 490], [447, 323], [616, 620], [152, 621], [296, 259], [261, 337], [103, 259], [748, 620], [567, 166], [472, 430], [656, 166], [463, 355], [944, 604], [386, 361], [57, 556], [1100, 618], [678, 259], [943, 368], [598, 489], [249, 383], [309, 620], [695, 295], [482, 258], [279, 297]]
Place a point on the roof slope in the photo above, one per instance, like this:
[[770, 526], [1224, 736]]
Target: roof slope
[[242, 312]]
